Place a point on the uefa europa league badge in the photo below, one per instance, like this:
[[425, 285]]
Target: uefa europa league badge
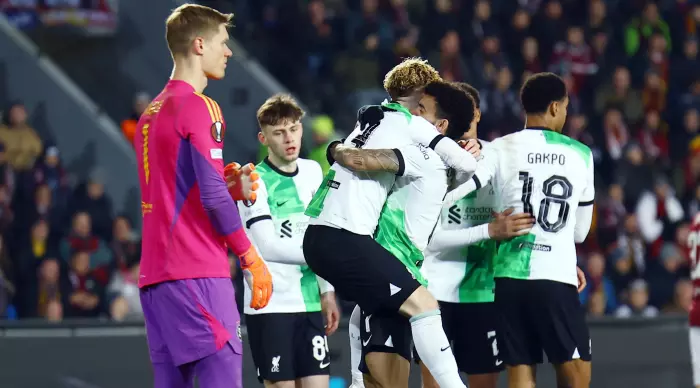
[[218, 131]]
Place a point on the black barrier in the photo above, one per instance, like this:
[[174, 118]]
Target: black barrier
[[639, 353]]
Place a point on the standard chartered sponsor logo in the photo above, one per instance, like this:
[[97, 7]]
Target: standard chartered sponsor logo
[[482, 213]]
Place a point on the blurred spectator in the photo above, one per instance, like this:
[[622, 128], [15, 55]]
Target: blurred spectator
[[126, 246], [612, 213], [682, 298], [620, 94], [488, 61], [633, 174], [499, 104], [22, 144], [653, 138], [49, 171], [628, 255], [83, 293], [41, 295], [598, 282], [123, 291], [638, 302], [574, 57], [141, 101], [32, 251], [654, 92], [82, 239], [640, 30], [663, 275], [687, 68], [91, 198], [449, 61], [7, 174], [7, 281], [658, 211], [551, 25]]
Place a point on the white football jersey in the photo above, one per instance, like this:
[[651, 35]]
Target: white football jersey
[[548, 175], [353, 200], [460, 274], [283, 197]]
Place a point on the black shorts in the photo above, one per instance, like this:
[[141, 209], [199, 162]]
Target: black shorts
[[288, 346], [359, 268], [536, 316], [471, 330], [385, 332]]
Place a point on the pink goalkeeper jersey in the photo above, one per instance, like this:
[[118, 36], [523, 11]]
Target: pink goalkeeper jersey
[[188, 215]]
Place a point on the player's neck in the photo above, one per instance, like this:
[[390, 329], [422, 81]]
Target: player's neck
[[537, 122], [281, 164], [189, 71]]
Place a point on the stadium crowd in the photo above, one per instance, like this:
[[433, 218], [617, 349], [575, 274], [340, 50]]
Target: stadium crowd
[[634, 81], [63, 252]]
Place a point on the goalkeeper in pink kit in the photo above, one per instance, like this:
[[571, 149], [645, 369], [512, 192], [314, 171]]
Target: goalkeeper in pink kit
[[190, 218]]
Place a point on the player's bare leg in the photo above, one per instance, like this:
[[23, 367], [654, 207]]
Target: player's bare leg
[[320, 381], [485, 380], [429, 337], [387, 370], [522, 376], [573, 374], [280, 384]]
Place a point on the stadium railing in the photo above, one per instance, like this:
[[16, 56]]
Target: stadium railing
[[636, 353]]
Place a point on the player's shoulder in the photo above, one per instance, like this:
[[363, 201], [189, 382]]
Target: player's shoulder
[[202, 103]]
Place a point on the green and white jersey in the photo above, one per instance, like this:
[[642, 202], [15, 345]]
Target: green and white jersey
[[353, 200], [548, 175], [463, 274], [282, 197], [413, 207]]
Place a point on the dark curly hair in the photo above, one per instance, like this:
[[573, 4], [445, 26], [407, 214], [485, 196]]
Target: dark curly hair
[[540, 90], [453, 105]]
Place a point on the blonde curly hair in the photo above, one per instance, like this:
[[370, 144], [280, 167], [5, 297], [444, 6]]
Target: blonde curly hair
[[409, 76]]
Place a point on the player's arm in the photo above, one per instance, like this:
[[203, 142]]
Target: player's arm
[[584, 211], [208, 163], [198, 116], [257, 219], [483, 175], [503, 226], [450, 152], [404, 161]]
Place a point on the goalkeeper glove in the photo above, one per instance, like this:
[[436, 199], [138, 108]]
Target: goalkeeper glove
[[258, 278], [241, 182]]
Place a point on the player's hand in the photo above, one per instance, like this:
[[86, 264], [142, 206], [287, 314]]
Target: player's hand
[[506, 225], [581, 279], [241, 182], [329, 307], [258, 278], [472, 146]]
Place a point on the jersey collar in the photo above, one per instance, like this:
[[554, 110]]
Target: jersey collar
[[541, 129], [277, 170]]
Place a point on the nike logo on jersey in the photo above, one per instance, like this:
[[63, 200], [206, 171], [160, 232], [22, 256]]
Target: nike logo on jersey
[[364, 343], [445, 348], [281, 203], [324, 365], [499, 362]]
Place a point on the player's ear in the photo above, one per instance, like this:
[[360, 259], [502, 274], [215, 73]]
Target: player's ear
[[442, 125], [198, 45], [261, 138], [554, 108]]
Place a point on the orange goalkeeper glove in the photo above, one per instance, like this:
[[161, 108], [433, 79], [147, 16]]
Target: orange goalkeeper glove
[[258, 278], [241, 182]]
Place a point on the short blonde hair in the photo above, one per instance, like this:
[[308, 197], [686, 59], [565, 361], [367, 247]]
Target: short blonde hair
[[409, 76], [188, 21]]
